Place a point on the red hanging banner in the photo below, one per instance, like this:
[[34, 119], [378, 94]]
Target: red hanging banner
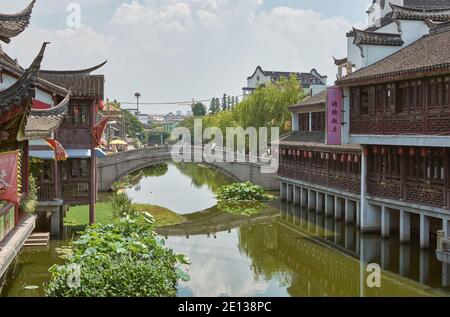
[[9, 176], [60, 153], [97, 131]]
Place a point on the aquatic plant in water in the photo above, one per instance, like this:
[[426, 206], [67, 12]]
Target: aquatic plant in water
[[242, 198], [124, 259]]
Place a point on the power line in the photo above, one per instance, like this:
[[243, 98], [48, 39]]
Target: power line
[[175, 103]]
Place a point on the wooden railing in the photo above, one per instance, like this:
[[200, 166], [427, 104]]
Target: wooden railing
[[75, 190]]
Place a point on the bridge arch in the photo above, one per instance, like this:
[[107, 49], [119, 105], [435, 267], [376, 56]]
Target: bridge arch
[[115, 167]]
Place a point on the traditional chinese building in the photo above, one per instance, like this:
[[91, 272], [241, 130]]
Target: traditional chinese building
[[312, 82], [391, 101], [71, 181], [16, 97]]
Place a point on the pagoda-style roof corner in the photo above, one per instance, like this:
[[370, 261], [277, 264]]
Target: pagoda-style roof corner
[[439, 14], [12, 25], [377, 38], [79, 72], [42, 122], [340, 61], [23, 88]]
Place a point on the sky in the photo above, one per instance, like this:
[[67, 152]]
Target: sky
[[179, 50]]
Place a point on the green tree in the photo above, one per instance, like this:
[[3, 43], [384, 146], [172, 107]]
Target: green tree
[[198, 109]]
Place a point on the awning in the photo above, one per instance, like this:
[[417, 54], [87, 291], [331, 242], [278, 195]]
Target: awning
[[99, 153], [50, 155]]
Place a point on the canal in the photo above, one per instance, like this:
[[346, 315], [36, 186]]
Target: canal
[[280, 251]]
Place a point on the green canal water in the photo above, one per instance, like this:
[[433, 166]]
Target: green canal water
[[282, 251]]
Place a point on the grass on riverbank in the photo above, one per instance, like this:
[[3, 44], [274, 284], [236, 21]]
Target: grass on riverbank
[[78, 216]]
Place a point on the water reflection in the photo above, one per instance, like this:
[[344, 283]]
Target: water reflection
[[282, 251], [182, 188], [304, 253]]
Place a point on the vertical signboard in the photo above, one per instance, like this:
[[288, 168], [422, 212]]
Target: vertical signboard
[[334, 110], [9, 176]]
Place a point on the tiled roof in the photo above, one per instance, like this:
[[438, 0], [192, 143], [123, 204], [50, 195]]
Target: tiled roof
[[12, 25], [80, 82], [10, 65], [410, 13], [426, 56], [23, 89], [41, 123], [318, 101], [307, 79], [427, 3], [374, 38]]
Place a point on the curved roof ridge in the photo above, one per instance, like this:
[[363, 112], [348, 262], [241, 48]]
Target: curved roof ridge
[[59, 109], [81, 72], [12, 25]]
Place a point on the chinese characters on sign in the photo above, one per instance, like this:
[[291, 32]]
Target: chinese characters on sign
[[334, 106], [9, 177]]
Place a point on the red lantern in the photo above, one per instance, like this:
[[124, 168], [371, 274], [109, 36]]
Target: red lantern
[[412, 151], [375, 150], [283, 152], [342, 158], [349, 158], [334, 156], [423, 152], [401, 151], [366, 151], [299, 153], [290, 152], [310, 155], [356, 159], [327, 156], [305, 154]]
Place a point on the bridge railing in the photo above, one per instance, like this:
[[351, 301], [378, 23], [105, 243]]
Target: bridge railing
[[121, 156]]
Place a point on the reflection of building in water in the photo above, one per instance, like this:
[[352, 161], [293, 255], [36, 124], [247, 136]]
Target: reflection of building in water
[[327, 260], [374, 150]]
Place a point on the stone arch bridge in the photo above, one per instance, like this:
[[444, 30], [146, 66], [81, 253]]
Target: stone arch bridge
[[115, 167]]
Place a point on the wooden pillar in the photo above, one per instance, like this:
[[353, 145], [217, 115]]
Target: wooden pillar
[[93, 170]]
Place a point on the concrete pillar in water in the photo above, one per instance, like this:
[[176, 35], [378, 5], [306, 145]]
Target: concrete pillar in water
[[329, 205], [385, 253], [290, 193], [424, 231], [385, 222], [446, 227], [445, 275], [349, 211], [337, 208], [56, 222], [283, 190], [424, 266], [319, 201], [405, 226], [358, 214], [297, 195], [311, 200], [304, 197], [371, 218], [404, 259]]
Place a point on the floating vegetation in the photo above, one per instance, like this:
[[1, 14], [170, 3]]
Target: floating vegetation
[[243, 198]]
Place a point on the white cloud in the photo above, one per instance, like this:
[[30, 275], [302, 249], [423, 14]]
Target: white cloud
[[180, 49]]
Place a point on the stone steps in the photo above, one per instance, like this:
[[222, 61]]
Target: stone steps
[[38, 240]]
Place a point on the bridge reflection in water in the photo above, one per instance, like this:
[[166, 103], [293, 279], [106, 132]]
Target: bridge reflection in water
[[299, 253]]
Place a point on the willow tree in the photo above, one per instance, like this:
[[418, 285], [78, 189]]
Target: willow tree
[[268, 105]]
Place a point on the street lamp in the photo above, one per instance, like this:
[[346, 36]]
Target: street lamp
[[137, 95]]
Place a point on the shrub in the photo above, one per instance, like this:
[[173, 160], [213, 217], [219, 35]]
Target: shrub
[[122, 205], [124, 259], [30, 202]]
